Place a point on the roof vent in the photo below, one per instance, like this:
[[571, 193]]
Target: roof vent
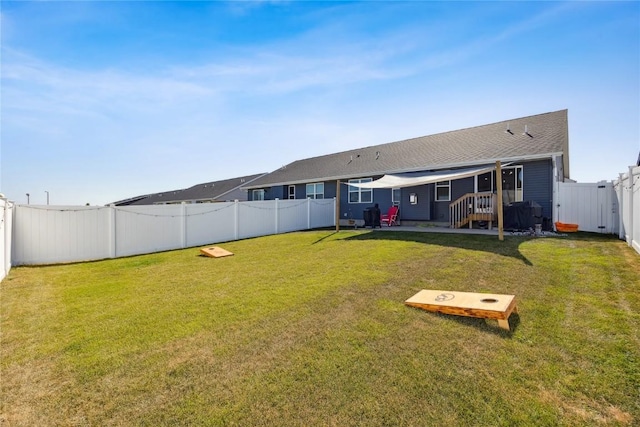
[[508, 129], [377, 155], [526, 132]]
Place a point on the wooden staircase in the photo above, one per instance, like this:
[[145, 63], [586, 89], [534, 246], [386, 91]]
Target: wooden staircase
[[473, 207]]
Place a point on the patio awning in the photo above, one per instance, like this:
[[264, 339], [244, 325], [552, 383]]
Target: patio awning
[[412, 179]]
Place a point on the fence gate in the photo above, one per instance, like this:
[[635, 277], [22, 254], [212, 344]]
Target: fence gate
[[593, 207]]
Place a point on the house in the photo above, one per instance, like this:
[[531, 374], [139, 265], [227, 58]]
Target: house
[[425, 176], [207, 192]]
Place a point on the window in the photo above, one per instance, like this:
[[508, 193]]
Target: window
[[315, 190], [512, 190], [292, 191], [258, 195], [443, 191], [484, 182], [395, 196], [360, 195], [512, 184]]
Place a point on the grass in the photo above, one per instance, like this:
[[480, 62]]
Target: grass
[[310, 329]]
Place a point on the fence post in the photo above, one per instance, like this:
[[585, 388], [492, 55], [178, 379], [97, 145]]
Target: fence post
[[5, 234], [308, 213], [111, 229], [236, 220], [621, 205], [183, 225], [277, 217], [630, 207]]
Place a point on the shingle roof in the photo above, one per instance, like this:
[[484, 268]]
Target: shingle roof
[[547, 134], [207, 191]]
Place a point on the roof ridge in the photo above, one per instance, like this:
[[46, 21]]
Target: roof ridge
[[426, 136]]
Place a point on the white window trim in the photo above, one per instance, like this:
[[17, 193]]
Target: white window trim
[[290, 193], [315, 186], [394, 201], [441, 184], [359, 190], [258, 191], [518, 191]]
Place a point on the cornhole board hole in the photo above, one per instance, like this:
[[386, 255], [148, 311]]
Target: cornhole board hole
[[215, 252], [487, 306]]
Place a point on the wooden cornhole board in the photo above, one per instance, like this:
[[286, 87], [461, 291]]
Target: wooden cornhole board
[[488, 306], [215, 252]]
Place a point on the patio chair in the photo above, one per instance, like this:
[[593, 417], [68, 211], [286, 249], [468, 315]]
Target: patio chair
[[391, 217]]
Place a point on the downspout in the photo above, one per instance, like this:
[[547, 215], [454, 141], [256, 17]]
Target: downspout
[[337, 199], [555, 188]]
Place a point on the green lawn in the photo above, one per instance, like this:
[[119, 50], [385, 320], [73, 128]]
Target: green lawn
[[310, 329]]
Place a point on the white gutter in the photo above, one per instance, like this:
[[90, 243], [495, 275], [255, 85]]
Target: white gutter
[[416, 169]]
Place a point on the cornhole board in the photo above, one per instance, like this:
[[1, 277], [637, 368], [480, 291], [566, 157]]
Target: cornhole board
[[215, 252], [470, 304]]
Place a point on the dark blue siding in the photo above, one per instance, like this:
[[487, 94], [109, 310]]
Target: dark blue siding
[[459, 187], [420, 211], [537, 184], [273, 193]]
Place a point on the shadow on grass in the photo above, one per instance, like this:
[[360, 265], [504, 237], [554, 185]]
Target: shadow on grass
[[485, 325], [325, 237], [508, 247]]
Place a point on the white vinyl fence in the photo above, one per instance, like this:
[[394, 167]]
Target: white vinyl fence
[[55, 234], [6, 216], [604, 207], [593, 207], [627, 192]]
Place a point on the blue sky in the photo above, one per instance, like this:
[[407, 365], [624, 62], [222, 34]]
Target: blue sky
[[101, 101]]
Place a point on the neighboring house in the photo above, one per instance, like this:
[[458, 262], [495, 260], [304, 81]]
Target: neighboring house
[[208, 192], [431, 172]]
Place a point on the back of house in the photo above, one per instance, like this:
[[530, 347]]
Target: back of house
[[425, 176]]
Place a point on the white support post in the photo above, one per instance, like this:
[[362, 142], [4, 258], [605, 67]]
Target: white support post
[[621, 206], [277, 216], [631, 226], [236, 220], [112, 231], [6, 237], [308, 213], [183, 225]]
